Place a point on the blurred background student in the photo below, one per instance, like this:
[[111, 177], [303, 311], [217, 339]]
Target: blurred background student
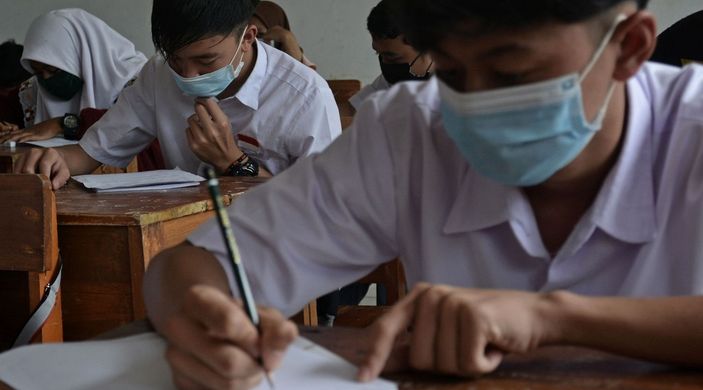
[[78, 63], [398, 60], [274, 29]]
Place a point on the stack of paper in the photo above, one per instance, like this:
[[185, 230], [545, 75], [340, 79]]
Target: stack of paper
[[138, 363], [52, 142], [139, 181]]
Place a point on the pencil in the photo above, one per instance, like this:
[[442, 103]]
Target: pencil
[[235, 259]]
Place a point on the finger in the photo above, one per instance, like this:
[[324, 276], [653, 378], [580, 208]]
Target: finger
[[221, 317], [202, 376], [385, 331], [59, 174], [28, 162], [447, 348], [424, 334], [197, 131], [184, 383], [224, 358], [218, 117], [207, 123], [26, 137], [277, 333], [477, 358]]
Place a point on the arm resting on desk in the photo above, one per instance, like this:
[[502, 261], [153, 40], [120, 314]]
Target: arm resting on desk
[[467, 332]]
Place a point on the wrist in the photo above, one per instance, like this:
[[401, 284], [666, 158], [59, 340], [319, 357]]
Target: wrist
[[223, 167], [559, 312]]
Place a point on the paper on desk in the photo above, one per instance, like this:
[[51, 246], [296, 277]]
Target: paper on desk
[[139, 181], [138, 362], [52, 142]]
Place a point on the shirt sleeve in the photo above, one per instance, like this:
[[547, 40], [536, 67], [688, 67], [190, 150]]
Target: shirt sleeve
[[128, 127], [379, 84], [315, 127], [323, 223]]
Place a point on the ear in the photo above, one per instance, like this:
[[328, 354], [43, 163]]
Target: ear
[[249, 39], [637, 37]]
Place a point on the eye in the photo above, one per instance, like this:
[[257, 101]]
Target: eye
[[508, 79]]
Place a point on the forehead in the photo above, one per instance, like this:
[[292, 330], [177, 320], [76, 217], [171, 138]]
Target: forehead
[[392, 45], [211, 45], [568, 39]]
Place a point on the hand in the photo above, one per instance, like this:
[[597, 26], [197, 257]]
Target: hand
[[45, 130], [213, 345], [49, 162], [210, 135], [288, 43], [460, 331], [6, 127]]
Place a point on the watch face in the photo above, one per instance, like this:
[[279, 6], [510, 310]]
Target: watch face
[[70, 122]]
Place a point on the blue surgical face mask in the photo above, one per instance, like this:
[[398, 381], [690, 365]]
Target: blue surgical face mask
[[211, 84], [521, 136]]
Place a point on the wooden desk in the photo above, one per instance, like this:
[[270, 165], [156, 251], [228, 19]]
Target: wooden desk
[[549, 368], [107, 240]]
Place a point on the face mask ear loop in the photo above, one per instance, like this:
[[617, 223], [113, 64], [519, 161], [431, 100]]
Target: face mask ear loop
[[603, 45]]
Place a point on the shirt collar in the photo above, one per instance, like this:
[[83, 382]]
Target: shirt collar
[[624, 207], [248, 94]]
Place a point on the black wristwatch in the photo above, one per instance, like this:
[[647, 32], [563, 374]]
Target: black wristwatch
[[247, 167], [71, 126]]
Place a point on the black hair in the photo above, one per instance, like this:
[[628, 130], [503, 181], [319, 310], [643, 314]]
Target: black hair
[[11, 71], [425, 22], [380, 22], [178, 23]]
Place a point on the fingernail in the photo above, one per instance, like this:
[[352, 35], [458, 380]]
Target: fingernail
[[364, 374]]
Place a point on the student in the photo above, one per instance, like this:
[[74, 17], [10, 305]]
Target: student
[[543, 189], [214, 96], [273, 26], [398, 60], [79, 62], [678, 45], [12, 74]]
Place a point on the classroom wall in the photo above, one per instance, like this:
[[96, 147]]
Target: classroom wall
[[332, 32]]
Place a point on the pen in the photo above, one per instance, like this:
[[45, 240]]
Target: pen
[[233, 250]]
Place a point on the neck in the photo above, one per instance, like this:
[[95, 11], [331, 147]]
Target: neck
[[582, 179], [249, 63]]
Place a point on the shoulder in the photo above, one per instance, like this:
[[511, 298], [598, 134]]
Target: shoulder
[[286, 75]]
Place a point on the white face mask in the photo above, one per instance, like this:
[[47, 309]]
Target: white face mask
[[521, 136], [211, 84]]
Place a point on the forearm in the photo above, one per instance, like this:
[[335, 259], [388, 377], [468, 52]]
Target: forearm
[[172, 273], [78, 161], [659, 329]]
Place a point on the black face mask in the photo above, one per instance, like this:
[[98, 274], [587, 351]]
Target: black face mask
[[62, 85], [395, 73]]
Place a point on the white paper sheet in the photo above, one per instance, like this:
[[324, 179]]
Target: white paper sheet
[[52, 143], [139, 181], [138, 363]]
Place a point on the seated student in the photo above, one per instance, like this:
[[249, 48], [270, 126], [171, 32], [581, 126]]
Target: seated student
[[399, 61], [79, 62], [214, 96], [543, 189], [678, 45], [273, 26], [12, 74]]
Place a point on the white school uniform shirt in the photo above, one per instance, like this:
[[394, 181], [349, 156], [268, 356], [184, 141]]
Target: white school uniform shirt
[[379, 84], [79, 43], [395, 185], [282, 112]]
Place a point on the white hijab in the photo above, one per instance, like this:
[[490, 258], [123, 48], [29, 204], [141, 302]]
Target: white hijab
[[83, 45]]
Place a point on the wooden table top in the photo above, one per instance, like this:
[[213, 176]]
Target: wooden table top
[[76, 206], [548, 368]]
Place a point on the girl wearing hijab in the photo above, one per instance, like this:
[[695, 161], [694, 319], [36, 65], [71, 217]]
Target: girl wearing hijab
[[78, 62], [272, 22]]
